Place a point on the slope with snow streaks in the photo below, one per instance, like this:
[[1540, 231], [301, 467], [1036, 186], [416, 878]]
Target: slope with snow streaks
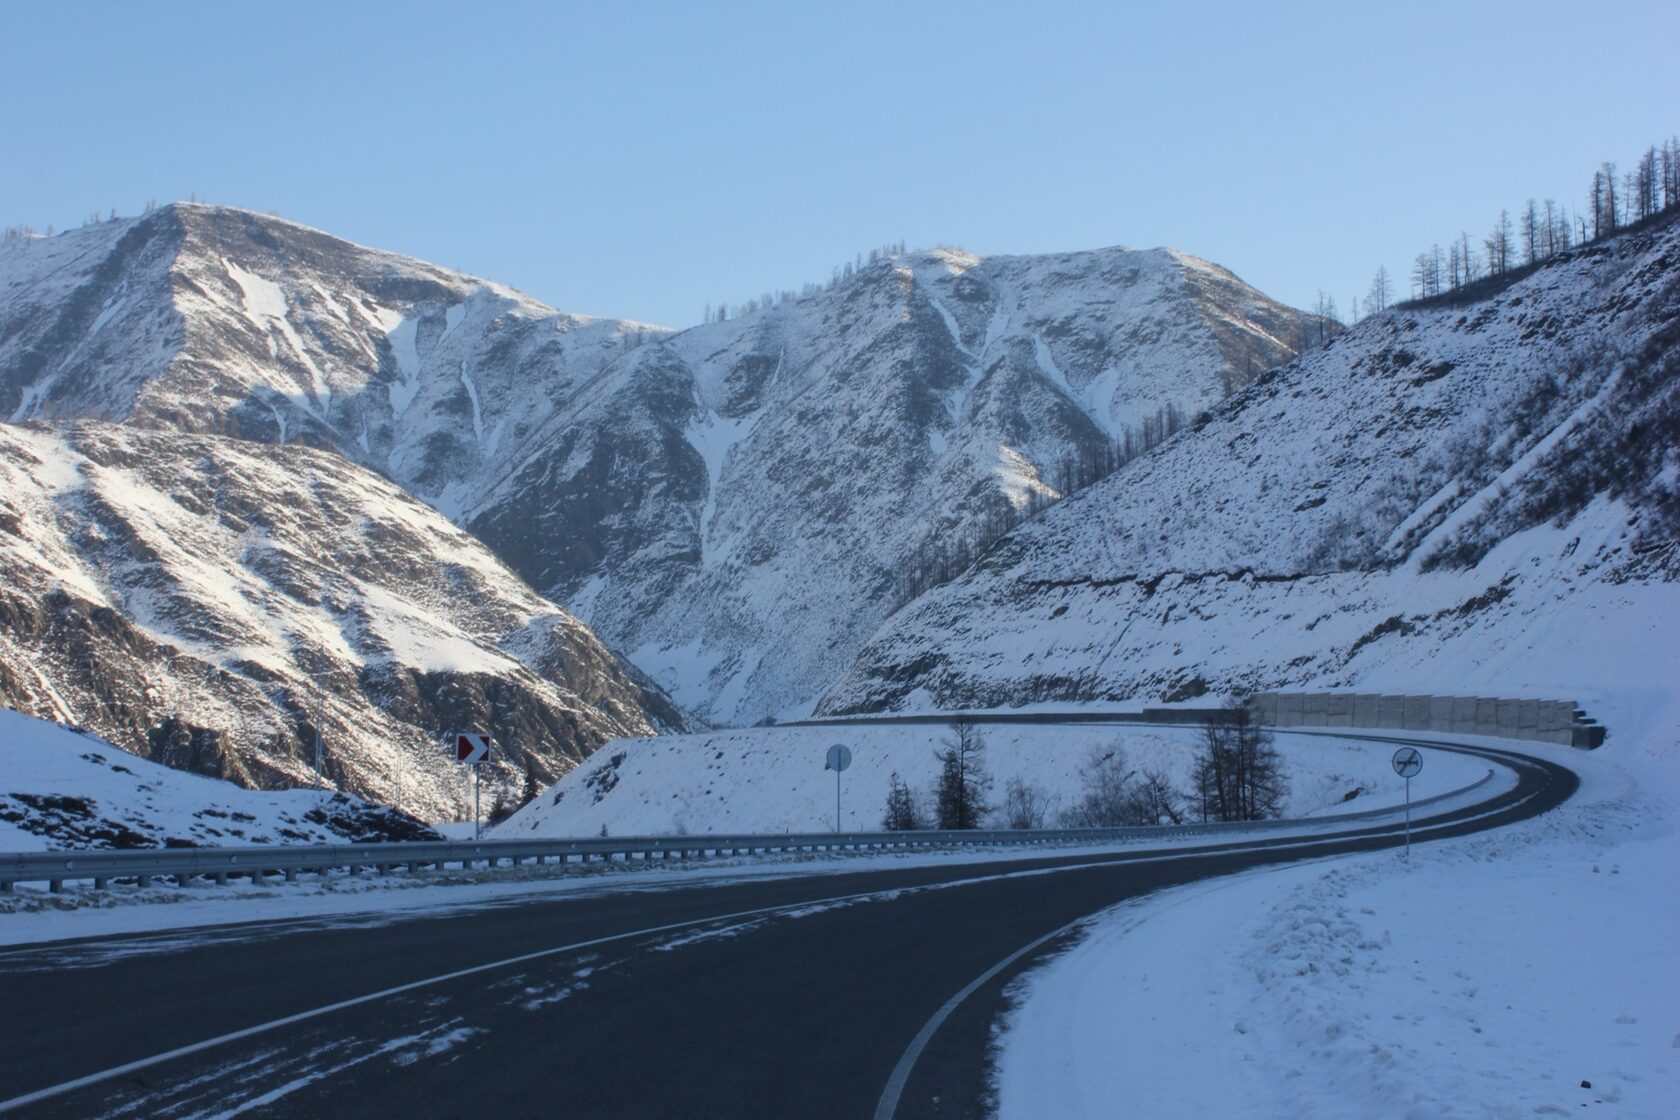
[[742, 498], [185, 597], [1442, 495]]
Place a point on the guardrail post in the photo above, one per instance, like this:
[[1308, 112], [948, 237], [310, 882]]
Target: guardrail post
[[143, 881], [291, 874], [221, 878], [56, 886], [100, 882]]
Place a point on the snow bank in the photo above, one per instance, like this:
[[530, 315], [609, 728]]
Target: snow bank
[[1495, 976], [772, 779], [62, 788]]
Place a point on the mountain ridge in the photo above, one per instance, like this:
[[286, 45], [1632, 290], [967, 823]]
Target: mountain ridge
[[686, 493]]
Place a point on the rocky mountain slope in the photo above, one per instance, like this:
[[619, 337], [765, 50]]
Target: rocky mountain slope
[[185, 595], [795, 462], [734, 505], [1447, 496]]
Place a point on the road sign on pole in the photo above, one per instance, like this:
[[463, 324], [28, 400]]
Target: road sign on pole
[[472, 749], [1407, 761], [839, 757]]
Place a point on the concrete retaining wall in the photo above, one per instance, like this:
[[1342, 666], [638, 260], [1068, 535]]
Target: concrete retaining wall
[[1546, 721]]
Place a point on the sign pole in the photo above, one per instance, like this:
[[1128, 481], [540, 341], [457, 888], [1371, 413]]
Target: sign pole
[[839, 757], [1407, 762], [473, 749], [1408, 818]]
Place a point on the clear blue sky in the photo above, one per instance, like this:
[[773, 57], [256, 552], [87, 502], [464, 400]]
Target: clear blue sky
[[644, 160]]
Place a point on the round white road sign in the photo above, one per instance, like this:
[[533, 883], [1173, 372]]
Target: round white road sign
[[1407, 762], [839, 757]]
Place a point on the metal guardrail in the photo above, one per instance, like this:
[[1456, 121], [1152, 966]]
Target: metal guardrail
[[290, 860]]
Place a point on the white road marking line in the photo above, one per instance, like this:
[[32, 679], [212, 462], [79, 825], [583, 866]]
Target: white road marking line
[[414, 985], [888, 1103]]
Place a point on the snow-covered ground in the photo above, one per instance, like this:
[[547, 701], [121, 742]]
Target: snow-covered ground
[[1527, 972], [61, 788], [772, 779]]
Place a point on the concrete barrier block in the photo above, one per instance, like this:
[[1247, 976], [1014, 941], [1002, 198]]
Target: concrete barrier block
[[1367, 710], [1417, 713], [1440, 713], [1487, 715], [1464, 715], [1290, 705], [1508, 720], [1315, 710], [1555, 715], [1391, 711], [1340, 710]]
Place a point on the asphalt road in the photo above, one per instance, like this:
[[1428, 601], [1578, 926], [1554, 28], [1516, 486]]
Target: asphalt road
[[792, 998]]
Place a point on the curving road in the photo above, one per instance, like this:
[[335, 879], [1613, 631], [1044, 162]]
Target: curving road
[[846, 994]]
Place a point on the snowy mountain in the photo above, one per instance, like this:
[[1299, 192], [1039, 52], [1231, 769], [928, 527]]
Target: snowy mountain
[[1462, 495], [744, 500], [734, 506], [184, 595], [63, 788], [210, 319]]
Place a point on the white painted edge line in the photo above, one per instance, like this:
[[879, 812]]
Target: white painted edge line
[[888, 1104]]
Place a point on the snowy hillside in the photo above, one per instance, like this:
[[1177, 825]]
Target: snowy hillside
[[183, 596], [772, 779], [1446, 498], [738, 511], [733, 506], [67, 789]]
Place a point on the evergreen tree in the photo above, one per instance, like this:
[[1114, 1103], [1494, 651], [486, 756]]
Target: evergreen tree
[[1237, 774], [959, 793], [901, 815], [533, 787]]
